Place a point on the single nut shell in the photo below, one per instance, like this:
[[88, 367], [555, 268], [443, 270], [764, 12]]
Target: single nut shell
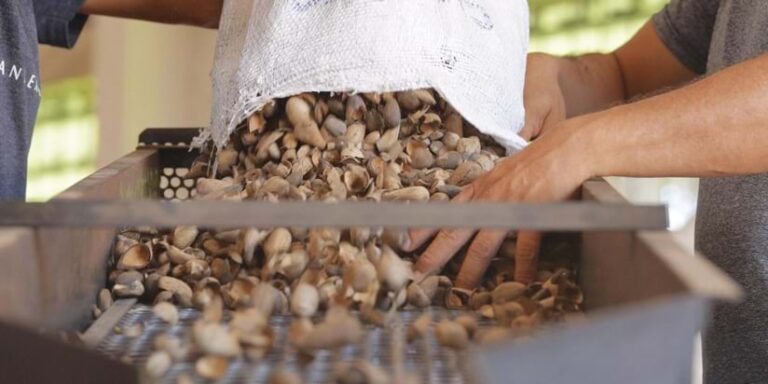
[[407, 194], [167, 312], [449, 160], [304, 300], [212, 367], [469, 322], [408, 100], [507, 312], [493, 335], [298, 111], [451, 334], [215, 339], [478, 299], [392, 114], [335, 126], [338, 329], [393, 272], [418, 329], [457, 298], [360, 371], [355, 109], [278, 241], [280, 376], [133, 289], [310, 133], [422, 158], [181, 291], [508, 291], [136, 257], [388, 139], [158, 364], [417, 297]]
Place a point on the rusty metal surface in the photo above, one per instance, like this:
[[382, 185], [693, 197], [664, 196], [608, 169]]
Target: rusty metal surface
[[427, 359], [64, 268], [133, 176], [569, 216], [642, 343], [104, 324], [631, 266], [20, 287]]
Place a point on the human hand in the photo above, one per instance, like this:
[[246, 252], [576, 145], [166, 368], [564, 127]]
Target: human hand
[[552, 168], [545, 107], [543, 97]]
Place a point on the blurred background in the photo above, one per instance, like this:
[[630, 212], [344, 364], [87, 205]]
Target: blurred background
[[125, 76]]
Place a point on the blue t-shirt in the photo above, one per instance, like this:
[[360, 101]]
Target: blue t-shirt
[[24, 23]]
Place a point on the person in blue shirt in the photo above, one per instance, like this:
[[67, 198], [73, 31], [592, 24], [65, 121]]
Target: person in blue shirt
[[24, 24]]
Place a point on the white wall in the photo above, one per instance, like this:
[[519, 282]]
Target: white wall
[[149, 75]]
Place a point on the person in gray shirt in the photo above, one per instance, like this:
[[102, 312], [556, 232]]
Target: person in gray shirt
[[692, 94], [24, 23]]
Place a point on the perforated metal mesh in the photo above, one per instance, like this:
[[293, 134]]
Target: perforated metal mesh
[[173, 185], [425, 358]]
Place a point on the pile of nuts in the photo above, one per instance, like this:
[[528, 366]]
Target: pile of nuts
[[404, 146]]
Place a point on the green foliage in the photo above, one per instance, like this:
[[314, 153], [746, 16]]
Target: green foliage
[[576, 26]]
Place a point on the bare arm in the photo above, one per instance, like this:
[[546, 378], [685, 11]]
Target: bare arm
[[643, 65], [203, 13], [713, 127], [563, 87]]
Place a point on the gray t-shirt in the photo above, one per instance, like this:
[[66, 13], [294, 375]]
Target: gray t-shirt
[[732, 223], [22, 24]]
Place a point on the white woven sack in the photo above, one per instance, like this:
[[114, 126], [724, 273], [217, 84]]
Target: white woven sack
[[473, 52]]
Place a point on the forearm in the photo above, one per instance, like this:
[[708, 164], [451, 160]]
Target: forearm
[[716, 126], [204, 13], [590, 83], [643, 65]]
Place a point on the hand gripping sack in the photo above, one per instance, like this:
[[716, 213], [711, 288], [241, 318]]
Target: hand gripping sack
[[473, 52]]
